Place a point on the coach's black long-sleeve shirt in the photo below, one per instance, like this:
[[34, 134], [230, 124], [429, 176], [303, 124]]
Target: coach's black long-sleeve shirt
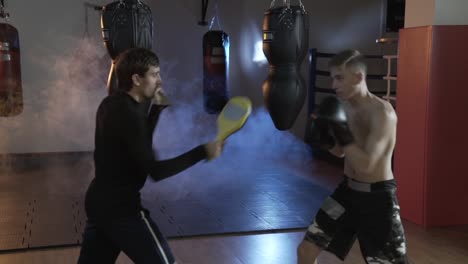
[[123, 157]]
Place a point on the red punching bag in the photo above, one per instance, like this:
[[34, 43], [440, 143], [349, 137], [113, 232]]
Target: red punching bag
[[11, 97], [215, 70]]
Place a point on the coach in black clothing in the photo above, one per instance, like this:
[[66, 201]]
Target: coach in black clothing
[[123, 158]]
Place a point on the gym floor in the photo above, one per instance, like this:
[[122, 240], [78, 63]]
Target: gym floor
[[246, 242]]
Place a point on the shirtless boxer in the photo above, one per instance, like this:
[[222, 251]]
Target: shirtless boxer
[[360, 127]]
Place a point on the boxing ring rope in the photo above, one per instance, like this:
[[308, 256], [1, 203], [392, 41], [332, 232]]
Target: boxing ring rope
[[389, 96], [313, 72]]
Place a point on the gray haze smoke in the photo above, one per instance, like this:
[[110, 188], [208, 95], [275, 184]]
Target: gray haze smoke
[[69, 105], [258, 148], [61, 95], [70, 110], [63, 115]]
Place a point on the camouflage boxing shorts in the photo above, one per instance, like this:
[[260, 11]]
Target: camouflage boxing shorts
[[368, 212]]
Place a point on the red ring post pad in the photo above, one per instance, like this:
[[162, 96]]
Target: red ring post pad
[[430, 156]]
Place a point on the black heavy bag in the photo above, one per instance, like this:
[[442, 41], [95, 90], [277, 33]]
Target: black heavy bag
[[125, 24], [215, 70], [285, 44]]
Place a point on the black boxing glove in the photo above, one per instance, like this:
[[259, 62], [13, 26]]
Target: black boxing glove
[[332, 112], [318, 134]]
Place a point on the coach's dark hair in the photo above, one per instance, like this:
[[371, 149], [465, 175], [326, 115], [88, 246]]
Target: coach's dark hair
[[134, 61]]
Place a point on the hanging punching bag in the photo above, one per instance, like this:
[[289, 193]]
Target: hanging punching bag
[[215, 70], [11, 95], [285, 44], [125, 24]]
